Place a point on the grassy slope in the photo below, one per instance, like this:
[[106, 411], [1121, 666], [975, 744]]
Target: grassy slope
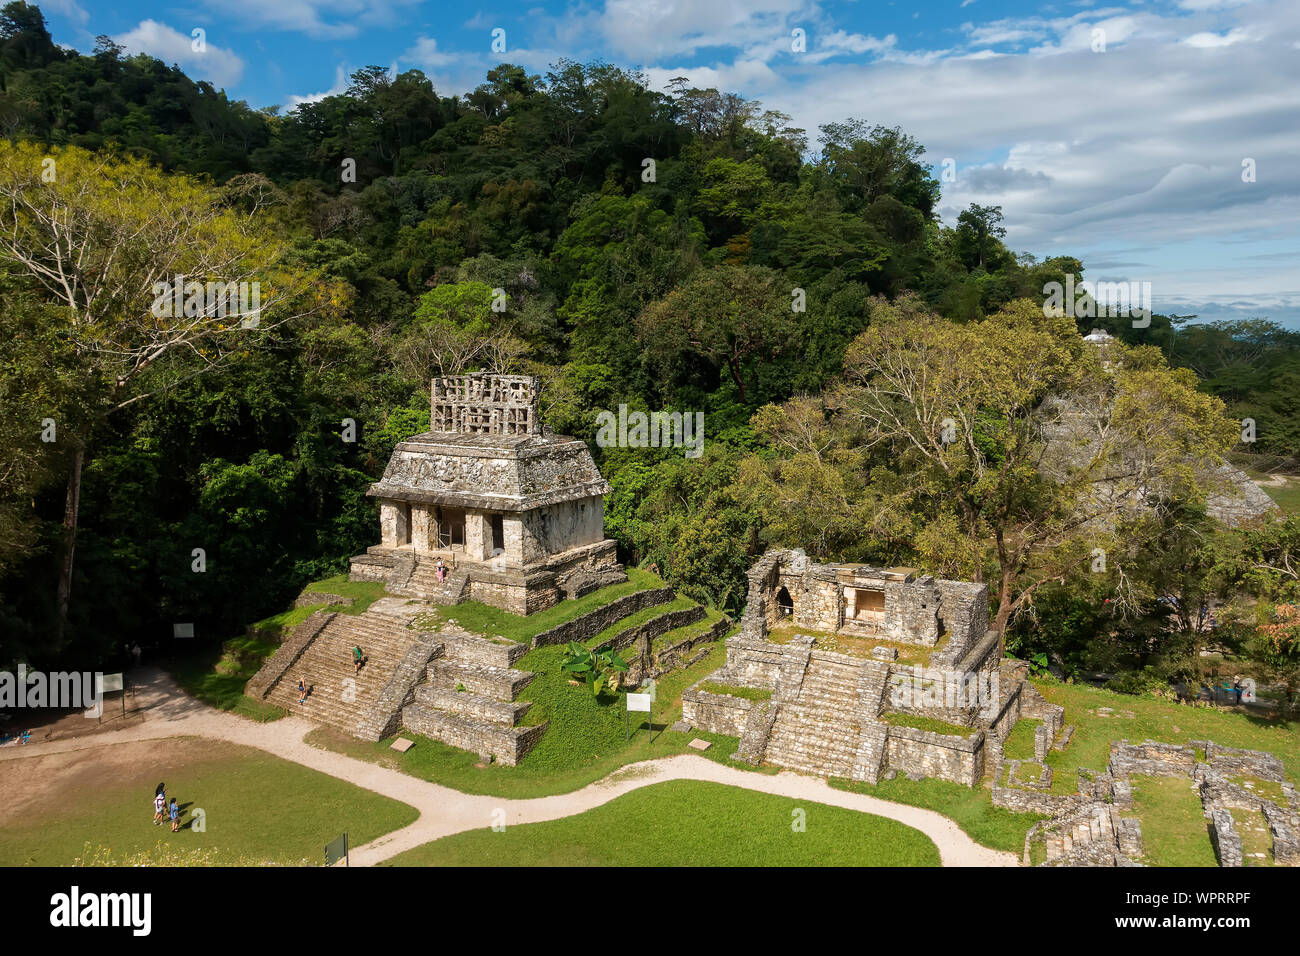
[[494, 622], [256, 807], [217, 674], [689, 823]]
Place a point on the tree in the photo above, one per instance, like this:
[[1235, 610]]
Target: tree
[[737, 319], [966, 414], [978, 236], [106, 242]]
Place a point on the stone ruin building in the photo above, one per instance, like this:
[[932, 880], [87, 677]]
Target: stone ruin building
[[1233, 498], [515, 513], [823, 678], [850, 654]]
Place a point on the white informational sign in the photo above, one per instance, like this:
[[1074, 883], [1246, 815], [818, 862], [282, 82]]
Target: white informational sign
[[111, 682], [639, 702], [182, 630]]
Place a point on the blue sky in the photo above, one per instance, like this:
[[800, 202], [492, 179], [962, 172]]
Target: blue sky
[[1115, 132]]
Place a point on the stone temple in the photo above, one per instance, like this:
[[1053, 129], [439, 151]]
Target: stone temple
[[847, 670], [515, 513]]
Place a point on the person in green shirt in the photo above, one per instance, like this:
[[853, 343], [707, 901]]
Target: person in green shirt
[[357, 660]]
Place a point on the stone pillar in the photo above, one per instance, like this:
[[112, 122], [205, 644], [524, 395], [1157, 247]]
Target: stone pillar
[[478, 536], [423, 528], [513, 526], [393, 529]]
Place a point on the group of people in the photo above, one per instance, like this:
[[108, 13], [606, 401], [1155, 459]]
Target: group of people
[[163, 811]]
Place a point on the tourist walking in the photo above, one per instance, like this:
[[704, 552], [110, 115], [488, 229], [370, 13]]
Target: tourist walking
[[175, 813], [302, 691], [357, 660], [159, 807]]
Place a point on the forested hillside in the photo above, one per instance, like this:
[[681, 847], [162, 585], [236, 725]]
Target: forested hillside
[[686, 250]]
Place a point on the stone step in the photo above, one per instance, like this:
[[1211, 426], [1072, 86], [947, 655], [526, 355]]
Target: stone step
[[502, 683], [508, 745], [339, 695], [466, 704]]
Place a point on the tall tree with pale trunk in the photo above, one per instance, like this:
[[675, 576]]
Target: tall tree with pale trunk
[[101, 242]]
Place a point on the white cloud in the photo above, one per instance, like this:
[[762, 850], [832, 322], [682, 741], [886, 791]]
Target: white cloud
[[219, 66], [1208, 40], [327, 19], [340, 85]]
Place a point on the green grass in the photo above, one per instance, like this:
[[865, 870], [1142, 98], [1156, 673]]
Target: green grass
[[1287, 496], [256, 807], [1255, 838], [1159, 720], [971, 808], [583, 743], [363, 593], [689, 823], [494, 622], [216, 675], [1019, 744], [918, 722], [732, 690], [1174, 830]]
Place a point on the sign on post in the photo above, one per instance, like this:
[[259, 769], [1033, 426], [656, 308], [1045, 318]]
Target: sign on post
[[640, 703], [103, 684], [337, 849]]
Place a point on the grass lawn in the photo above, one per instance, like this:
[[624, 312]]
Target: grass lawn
[[1174, 828], [363, 593], [1156, 719], [494, 622], [971, 808], [732, 690], [689, 823], [1256, 841], [584, 742], [256, 808], [1019, 744]]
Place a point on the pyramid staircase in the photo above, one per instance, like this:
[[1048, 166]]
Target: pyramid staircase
[[814, 732], [339, 696]]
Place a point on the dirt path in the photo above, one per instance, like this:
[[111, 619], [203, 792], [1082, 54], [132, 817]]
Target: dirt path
[[167, 712]]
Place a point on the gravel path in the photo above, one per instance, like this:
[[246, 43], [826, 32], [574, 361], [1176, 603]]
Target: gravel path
[[168, 712]]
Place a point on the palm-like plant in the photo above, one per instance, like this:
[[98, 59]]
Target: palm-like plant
[[599, 670]]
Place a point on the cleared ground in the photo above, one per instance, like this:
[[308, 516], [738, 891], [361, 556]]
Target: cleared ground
[[256, 808]]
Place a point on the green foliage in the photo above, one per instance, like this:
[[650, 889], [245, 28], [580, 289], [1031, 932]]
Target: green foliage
[[598, 669]]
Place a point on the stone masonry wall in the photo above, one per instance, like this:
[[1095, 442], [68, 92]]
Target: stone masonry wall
[[715, 713], [959, 759], [588, 625]]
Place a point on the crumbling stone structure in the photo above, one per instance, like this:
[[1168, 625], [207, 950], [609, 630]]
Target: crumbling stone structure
[[851, 712], [515, 514]]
